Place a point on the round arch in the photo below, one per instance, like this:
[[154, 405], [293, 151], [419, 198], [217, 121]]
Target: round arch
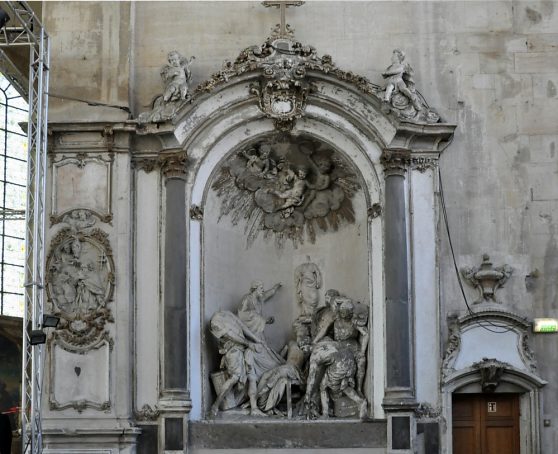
[[208, 150]]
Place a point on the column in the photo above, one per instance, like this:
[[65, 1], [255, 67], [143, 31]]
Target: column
[[174, 389], [399, 379], [399, 402], [174, 278]]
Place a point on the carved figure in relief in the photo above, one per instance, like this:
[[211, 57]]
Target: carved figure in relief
[[285, 175], [326, 315], [250, 310], [176, 76], [80, 280], [293, 196], [258, 161], [308, 281], [237, 345], [77, 284], [90, 291], [351, 331], [338, 366], [399, 77]]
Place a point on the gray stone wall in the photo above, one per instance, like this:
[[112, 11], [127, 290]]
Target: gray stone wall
[[491, 67]]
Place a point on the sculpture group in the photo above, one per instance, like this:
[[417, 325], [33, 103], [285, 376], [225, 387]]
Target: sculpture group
[[290, 188], [320, 371]]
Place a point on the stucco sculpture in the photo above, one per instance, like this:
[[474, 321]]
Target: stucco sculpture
[[243, 355], [400, 94], [318, 374], [80, 279], [308, 281], [250, 310], [289, 187], [399, 76], [337, 365], [176, 76], [487, 278]]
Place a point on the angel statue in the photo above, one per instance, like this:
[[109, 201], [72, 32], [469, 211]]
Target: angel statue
[[176, 75], [399, 77]]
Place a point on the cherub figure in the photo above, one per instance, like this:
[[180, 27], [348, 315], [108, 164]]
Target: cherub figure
[[294, 196], [176, 76], [259, 161], [399, 77], [79, 220]]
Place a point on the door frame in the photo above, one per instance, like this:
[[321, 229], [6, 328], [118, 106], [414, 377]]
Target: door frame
[[512, 381]]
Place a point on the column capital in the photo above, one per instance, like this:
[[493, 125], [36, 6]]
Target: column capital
[[395, 162], [174, 165]]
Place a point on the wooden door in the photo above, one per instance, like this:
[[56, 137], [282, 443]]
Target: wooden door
[[485, 424]]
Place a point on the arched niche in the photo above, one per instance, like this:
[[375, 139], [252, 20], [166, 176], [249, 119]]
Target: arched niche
[[219, 249]]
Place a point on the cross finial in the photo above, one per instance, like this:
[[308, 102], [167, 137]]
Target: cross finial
[[282, 5]]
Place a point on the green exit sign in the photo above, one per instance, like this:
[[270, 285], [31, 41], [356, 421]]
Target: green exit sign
[[545, 325]]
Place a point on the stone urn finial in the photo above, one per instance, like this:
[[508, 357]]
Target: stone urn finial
[[486, 278]]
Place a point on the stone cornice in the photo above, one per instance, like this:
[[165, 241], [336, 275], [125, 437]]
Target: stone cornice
[[94, 137], [416, 138]]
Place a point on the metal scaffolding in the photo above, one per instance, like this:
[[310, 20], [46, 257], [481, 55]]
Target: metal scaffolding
[[28, 31]]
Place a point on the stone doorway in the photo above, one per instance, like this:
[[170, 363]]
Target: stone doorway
[[485, 424]]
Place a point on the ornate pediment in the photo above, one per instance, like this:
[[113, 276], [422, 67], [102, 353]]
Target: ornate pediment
[[283, 67], [487, 333]]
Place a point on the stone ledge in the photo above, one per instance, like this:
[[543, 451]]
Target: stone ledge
[[295, 434]]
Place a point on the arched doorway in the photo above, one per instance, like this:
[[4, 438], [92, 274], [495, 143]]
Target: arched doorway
[[491, 394]]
